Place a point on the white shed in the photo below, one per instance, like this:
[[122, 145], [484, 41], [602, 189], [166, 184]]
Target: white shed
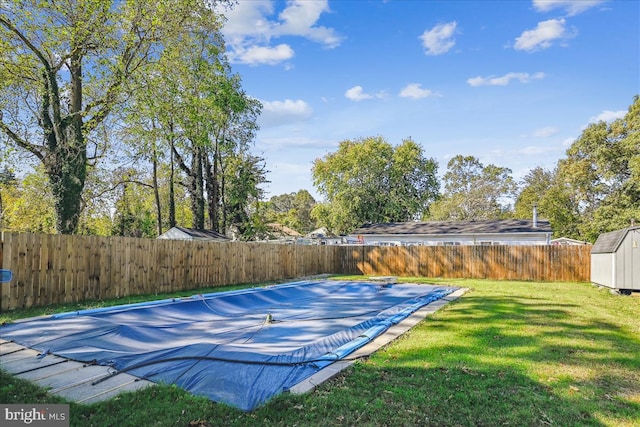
[[615, 260]]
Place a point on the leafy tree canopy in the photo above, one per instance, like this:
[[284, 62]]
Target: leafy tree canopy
[[293, 210], [474, 191], [65, 66], [369, 180], [602, 174]]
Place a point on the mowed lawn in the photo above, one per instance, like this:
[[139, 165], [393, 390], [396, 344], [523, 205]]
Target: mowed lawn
[[506, 353]]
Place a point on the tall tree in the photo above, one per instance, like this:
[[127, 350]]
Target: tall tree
[[234, 126], [602, 172], [369, 180], [63, 69], [474, 191], [7, 183], [28, 204], [412, 182], [293, 210], [546, 190], [244, 174], [206, 116], [534, 186]]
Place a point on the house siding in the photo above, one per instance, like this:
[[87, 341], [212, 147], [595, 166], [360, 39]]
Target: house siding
[[475, 232], [477, 239]]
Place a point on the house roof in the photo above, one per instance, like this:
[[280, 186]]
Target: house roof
[[609, 242], [455, 227], [319, 233], [192, 233], [283, 230]]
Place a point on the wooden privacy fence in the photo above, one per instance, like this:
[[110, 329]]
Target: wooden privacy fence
[[55, 269], [505, 262]]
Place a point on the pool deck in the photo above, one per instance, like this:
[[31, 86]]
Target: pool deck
[[85, 383], [75, 381]]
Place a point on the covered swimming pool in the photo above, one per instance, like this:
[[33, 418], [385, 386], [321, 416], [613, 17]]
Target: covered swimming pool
[[240, 347]]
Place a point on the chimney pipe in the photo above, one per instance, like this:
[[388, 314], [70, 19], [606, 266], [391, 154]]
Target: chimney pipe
[[535, 215]]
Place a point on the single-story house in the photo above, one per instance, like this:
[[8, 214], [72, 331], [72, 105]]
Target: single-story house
[[475, 232], [183, 233]]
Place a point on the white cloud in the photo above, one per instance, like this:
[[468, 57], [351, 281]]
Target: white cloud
[[250, 29], [289, 141], [545, 132], [247, 19], [414, 90], [504, 80], [571, 7], [254, 55], [357, 93], [299, 19], [533, 150], [280, 112], [543, 35], [439, 39], [608, 116]]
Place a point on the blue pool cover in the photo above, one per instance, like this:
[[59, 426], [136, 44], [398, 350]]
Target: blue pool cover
[[238, 347]]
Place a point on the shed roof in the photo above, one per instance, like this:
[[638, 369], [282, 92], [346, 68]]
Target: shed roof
[[192, 233], [456, 227], [609, 242], [568, 241]]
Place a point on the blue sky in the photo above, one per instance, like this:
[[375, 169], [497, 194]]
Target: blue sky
[[512, 83]]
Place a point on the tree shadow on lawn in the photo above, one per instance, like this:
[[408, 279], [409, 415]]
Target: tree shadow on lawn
[[387, 395], [504, 360], [539, 330], [567, 362]]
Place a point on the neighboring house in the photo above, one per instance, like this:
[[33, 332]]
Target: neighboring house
[[279, 233], [568, 241], [183, 233], [320, 236], [318, 233], [480, 232]]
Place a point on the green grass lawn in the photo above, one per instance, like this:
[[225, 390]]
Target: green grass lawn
[[506, 353]]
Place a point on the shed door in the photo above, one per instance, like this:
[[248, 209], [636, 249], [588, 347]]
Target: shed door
[[634, 267]]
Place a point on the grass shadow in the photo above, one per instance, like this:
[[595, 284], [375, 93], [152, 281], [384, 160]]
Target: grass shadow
[[440, 396]]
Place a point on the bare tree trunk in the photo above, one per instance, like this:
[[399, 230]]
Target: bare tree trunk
[[211, 177], [66, 159], [156, 191], [172, 197], [197, 189]]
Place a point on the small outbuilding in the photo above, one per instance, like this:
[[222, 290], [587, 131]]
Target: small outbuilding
[[567, 241], [183, 233], [615, 260]]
